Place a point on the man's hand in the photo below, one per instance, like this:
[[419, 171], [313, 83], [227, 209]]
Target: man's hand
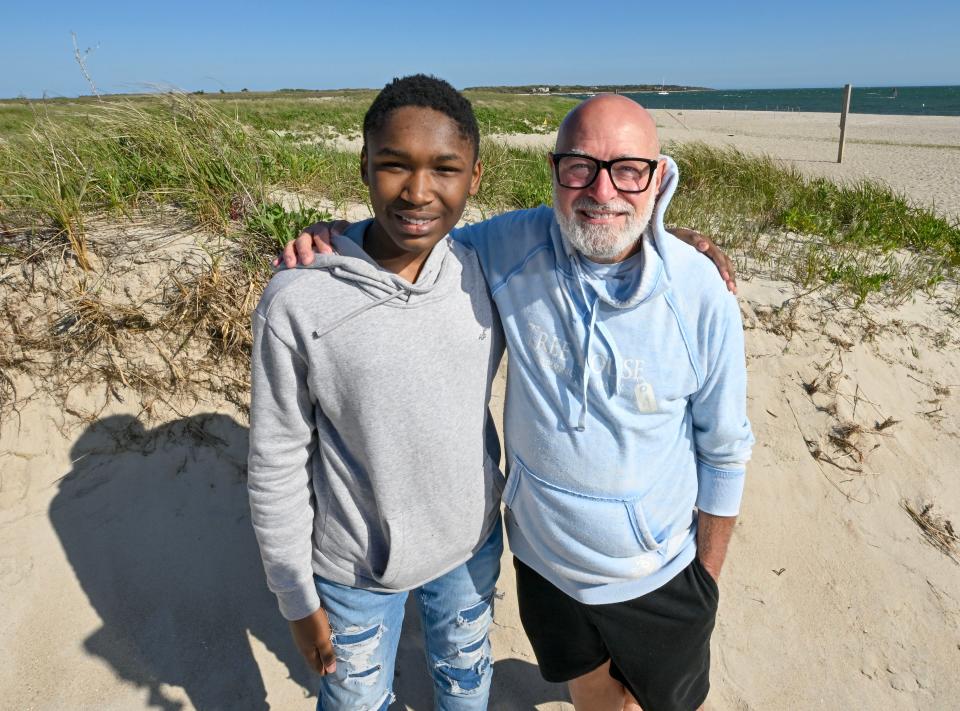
[[312, 637], [713, 537], [706, 245], [317, 237]]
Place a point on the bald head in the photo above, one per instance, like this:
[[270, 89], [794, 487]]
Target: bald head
[[609, 119]]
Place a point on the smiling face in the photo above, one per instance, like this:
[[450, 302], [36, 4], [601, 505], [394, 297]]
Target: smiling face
[[420, 170], [601, 222]]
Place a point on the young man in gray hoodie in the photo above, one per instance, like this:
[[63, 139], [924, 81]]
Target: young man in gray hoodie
[[373, 466]]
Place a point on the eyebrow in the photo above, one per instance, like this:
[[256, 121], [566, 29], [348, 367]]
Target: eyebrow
[[387, 151]]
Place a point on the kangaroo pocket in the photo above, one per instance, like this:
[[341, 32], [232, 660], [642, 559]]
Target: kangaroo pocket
[[395, 553], [587, 539], [430, 538]]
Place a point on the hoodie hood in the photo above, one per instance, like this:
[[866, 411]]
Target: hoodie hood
[[351, 263]]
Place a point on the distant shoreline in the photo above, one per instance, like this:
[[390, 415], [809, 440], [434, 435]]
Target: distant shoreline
[[577, 89]]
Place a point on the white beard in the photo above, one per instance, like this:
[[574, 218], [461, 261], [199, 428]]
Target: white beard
[[602, 242]]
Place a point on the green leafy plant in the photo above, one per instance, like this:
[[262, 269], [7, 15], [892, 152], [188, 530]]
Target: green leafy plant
[[281, 225]]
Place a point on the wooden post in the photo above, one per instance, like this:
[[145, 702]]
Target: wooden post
[[847, 90]]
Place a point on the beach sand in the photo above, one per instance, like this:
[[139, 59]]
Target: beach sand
[[130, 578]]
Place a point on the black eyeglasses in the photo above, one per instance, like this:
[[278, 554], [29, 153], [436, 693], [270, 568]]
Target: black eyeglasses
[[628, 175]]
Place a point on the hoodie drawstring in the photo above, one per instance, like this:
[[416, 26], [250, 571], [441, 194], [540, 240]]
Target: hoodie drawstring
[[593, 325], [356, 312], [585, 381]]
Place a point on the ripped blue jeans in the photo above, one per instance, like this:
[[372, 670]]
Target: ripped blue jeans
[[456, 610]]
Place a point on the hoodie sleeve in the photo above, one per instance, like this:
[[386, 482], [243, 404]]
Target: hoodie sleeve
[[282, 440], [722, 433]]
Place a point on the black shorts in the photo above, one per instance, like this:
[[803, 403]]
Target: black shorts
[[658, 644]]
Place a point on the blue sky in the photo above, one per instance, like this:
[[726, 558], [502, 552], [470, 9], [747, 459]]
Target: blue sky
[[213, 45]]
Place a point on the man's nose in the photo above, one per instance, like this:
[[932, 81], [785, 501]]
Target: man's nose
[[602, 189]]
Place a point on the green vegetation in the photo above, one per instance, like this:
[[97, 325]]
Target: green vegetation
[[505, 113], [853, 232], [512, 177], [303, 114], [218, 160], [279, 225]]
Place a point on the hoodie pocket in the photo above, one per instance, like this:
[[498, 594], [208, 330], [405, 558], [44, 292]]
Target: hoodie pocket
[[588, 539], [395, 558]]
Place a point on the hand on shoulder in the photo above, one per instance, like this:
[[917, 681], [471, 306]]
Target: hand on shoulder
[[317, 238]]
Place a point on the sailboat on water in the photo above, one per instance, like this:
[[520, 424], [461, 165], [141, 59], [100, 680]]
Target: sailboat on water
[[663, 92]]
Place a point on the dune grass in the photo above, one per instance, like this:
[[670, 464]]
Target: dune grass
[[304, 113], [863, 237], [128, 156], [209, 163], [217, 159]]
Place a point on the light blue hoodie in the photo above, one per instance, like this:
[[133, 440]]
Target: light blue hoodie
[[623, 417]]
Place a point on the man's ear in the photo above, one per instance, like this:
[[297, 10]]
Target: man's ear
[[475, 178], [661, 169], [363, 165]]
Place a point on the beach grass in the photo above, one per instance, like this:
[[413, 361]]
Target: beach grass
[[186, 161], [863, 237], [217, 160], [303, 114]]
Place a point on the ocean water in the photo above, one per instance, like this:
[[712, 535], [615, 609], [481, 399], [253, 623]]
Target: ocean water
[[908, 100]]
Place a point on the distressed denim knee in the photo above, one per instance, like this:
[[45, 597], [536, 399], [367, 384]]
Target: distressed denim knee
[[359, 681], [468, 672]]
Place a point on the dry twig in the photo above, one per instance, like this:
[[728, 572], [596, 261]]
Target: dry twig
[[936, 530]]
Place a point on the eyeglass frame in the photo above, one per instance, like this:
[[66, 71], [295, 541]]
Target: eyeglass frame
[[603, 165]]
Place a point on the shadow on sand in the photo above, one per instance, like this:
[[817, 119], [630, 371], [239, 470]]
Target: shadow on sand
[[157, 528], [156, 525]]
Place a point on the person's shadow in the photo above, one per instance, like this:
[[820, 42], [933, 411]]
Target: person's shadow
[[156, 525], [157, 528]]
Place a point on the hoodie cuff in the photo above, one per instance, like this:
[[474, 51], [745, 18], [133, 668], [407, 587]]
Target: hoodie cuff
[[299, 603], [719, 490]]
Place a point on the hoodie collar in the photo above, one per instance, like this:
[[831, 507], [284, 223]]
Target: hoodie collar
[[350, 245], [352, 264]]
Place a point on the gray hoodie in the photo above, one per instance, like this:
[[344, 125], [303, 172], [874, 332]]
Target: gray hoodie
[[373, 460]]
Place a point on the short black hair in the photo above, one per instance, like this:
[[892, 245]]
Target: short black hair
[[427, 92]]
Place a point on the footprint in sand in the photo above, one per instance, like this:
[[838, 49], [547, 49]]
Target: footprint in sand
[[14, 571], [14, 484]]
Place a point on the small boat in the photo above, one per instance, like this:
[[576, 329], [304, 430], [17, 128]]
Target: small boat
[[663, 92]]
